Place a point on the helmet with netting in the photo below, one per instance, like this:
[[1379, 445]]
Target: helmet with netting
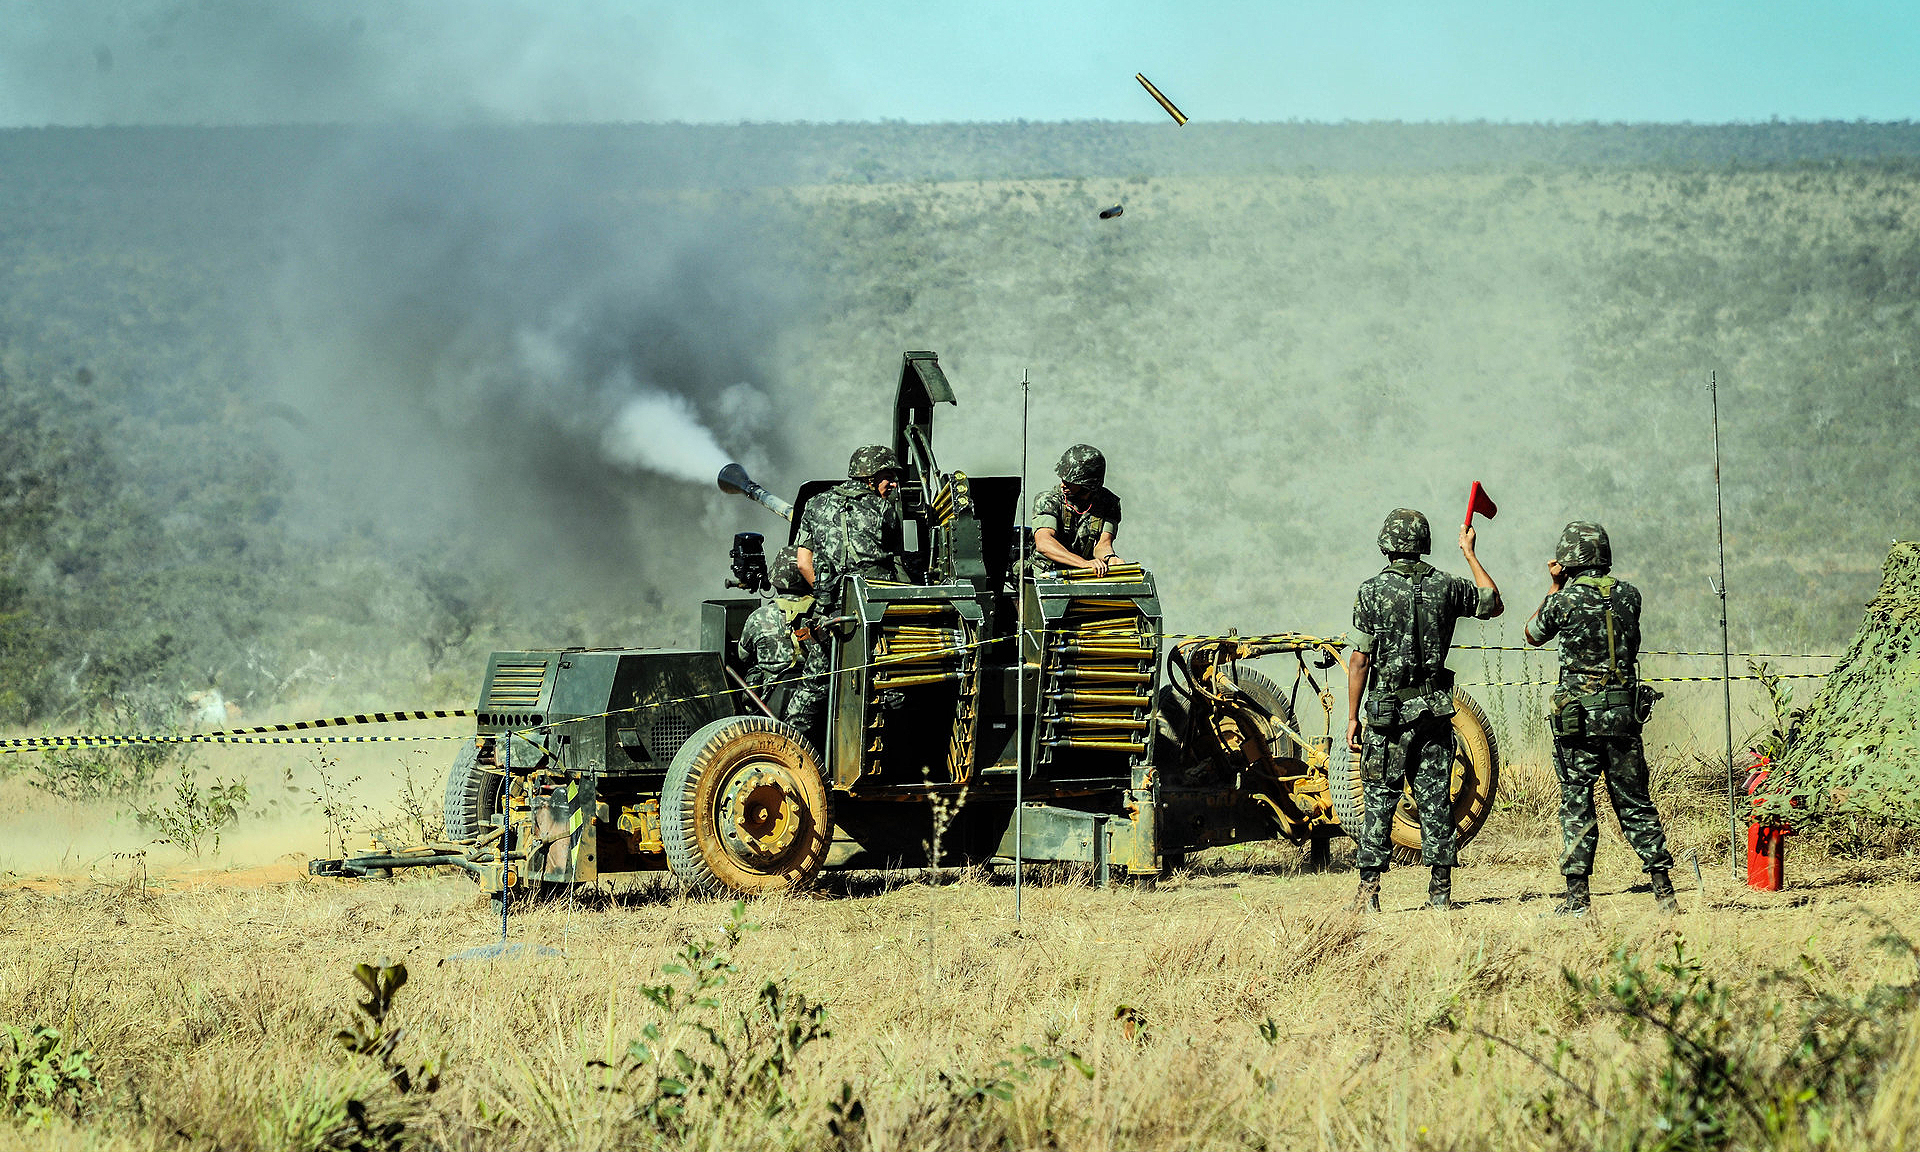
[[785, 574], [1406, 531], [872, 460], [1083, 465], [1583, 544]]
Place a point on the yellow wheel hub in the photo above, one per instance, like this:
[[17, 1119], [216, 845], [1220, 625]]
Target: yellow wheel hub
[[761, 812]]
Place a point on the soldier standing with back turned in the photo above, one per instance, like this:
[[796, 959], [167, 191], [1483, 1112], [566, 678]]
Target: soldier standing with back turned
[[1598, 709], [1403, 626]]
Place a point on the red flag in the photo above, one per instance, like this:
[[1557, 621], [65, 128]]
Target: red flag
[[1479, 502]]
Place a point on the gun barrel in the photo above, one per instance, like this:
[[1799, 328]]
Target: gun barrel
[[734, 481]]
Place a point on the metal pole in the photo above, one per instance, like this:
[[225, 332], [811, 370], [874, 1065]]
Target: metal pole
[[506, 829], [1726, 646], [1020, 666]]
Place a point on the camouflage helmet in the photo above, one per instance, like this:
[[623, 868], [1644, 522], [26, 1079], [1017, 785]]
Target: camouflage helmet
[[872, 460], [1406, 531], [785, 574], [1583, 544], [1083, 465]]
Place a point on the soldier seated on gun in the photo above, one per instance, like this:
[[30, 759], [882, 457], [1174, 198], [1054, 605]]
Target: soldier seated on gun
[[1403, 626], [1599, 707], [853, 528], [1075, 523], [782, 656]]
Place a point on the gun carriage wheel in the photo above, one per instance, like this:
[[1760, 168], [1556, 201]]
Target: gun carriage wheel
[[746, 809], [473, 794], [1476, 779]]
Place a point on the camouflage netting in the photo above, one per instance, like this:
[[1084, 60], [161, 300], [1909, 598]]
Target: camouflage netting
[[1857, 750]]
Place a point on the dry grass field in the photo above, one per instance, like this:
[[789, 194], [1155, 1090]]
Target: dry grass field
[[1240, 1005]]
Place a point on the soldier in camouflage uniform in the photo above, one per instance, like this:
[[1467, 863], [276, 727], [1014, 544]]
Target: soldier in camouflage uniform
[[853, 528], [1074, 524], [1598, 709], [781, 654], [1403, 626]]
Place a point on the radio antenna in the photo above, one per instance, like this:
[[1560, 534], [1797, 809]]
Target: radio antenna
[[1726, 647], [1020, 663]]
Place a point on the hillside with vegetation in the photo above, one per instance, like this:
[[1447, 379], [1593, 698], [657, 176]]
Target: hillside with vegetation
[[310, 415]]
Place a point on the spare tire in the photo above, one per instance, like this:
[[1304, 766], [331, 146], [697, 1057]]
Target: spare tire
[[473, 794]]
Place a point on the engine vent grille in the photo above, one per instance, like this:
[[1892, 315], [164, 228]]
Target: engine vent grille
[[671, 728], [516, 685]]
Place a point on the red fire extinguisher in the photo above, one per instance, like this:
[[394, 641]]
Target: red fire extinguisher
[[1766, 837]]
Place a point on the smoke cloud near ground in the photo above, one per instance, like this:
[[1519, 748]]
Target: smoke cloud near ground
[[492, 344]]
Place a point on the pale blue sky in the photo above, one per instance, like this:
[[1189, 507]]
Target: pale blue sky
[[226, 61]]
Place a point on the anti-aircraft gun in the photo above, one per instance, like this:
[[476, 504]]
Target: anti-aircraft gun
[[953, 700]]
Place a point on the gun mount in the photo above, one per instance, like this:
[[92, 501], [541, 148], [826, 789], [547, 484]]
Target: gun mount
[[594, 763]]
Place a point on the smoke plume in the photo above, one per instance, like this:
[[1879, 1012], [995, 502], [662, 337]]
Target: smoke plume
[[480, 324], [660, 431]]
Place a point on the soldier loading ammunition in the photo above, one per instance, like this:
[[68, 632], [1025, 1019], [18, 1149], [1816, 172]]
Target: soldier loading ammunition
[[1403, 626], [853, 528], [1599, 707], [777, 646], [1075, 523]]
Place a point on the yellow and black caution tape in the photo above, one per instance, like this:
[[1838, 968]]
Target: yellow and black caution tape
[[37, 743], [269, 734], [251, 735], [342, 721], [1657, 652], [1643, 680]]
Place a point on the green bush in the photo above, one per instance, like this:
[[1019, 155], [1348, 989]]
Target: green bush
[[1716, 1066], [194, 814], [40, 1076], [701, 1058]]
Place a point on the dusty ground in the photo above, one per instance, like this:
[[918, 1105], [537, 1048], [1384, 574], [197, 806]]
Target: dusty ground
[[210, 998]]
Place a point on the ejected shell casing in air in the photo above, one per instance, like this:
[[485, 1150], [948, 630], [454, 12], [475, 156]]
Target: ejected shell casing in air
[[1110, 213], [1179, 117]]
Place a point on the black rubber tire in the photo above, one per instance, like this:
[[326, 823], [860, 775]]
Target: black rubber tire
[[1267, 695], [1473, 741], [690, 817], [1178, 762], [1343, 780], [473, 794]]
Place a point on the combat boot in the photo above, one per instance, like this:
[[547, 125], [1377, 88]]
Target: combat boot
[[1440, 888], [1577, 900], [1663, 892], [1369, 898]]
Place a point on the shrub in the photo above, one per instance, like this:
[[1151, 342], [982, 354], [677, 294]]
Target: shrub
[[40, 1075]]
